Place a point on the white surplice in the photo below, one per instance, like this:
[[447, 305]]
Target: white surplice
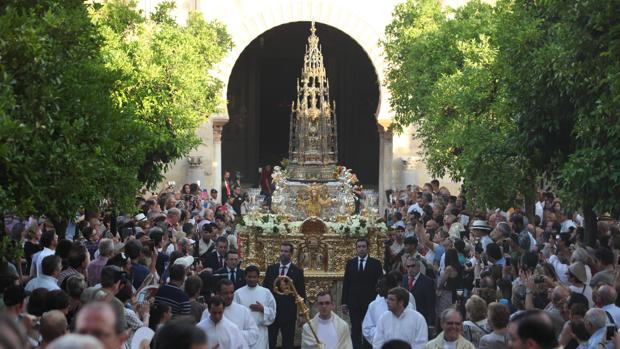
[[377, 308], [333, 333], [241, 317], [224, 334], [410, 327], [251, 295]]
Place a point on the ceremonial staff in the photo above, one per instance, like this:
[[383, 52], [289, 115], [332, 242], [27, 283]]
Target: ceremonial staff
[[283, 285]]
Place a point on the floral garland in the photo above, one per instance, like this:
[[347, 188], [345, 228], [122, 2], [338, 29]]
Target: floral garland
[[277, 224]]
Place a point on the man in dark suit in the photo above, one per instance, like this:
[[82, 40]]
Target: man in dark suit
[[359, 289], [422, 288], [232, 271], [286, 313], [226, 187], [206, 244], [216, 260]]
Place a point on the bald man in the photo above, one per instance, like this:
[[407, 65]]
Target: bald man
[[605, 299], [102, 322], [53, 325], [555, 309]]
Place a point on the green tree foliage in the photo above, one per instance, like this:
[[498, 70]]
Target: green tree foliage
[[166, 84], [562, 62], [96, 101], [503, 94], [444, 79], [61, 140]]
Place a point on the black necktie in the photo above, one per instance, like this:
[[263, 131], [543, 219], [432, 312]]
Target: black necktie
[[361, 266], [232, 275], [282, 270], [221, 261]]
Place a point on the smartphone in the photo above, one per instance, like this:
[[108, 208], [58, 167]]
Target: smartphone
[[141, 297], [611, 330], [464, 220]]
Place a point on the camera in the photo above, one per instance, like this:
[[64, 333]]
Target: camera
[[469, 264], [539, 279]]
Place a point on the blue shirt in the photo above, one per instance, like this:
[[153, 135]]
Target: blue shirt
[[597, 337], [439, 251], [139, 273], [42, 281]]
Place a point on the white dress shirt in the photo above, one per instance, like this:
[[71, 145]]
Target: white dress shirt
[[363, 260], [561, 269], [286, 267], [37, 258]]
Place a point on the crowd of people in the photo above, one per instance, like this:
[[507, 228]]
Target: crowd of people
[[171, 275]]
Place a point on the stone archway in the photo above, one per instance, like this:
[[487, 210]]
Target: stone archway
[[262, 87], [257, 17], [365, 24]]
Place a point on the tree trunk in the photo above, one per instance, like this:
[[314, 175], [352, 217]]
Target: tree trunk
[[530, 199], [589, 224], [61, 226]]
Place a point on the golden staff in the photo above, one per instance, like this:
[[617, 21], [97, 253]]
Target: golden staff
[[283, 285]]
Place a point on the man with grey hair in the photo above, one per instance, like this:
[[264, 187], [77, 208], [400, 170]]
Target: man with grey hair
[[173, 216], [555, 308], [605, 299], [93, 271], [596, 324], [451, 336], [53, 325], [76, 341]]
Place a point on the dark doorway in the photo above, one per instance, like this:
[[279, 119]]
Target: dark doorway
[[262, 87]]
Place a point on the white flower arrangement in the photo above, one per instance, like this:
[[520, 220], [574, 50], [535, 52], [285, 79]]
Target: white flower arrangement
[[275, 224]]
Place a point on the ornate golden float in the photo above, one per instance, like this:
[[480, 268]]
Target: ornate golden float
[[314, 203], [321, 248]]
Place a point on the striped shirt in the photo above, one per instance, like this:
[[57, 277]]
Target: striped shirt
[[175, 297]]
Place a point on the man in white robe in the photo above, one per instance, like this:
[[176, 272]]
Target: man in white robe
[[379, 306], [236, 313], [261, 303], [400, 322], [332, 331], [221, 332]]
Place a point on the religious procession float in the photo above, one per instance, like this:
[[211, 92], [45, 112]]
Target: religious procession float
[[317, 204]]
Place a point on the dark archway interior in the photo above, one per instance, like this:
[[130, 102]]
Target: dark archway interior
[[262, 87]]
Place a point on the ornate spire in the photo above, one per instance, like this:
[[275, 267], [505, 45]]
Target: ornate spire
[[313, 144]]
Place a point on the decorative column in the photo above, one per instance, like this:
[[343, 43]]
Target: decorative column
[[382, 188], [385, 160], [218, 121]]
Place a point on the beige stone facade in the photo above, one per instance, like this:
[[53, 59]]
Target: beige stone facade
[[362, 20]]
